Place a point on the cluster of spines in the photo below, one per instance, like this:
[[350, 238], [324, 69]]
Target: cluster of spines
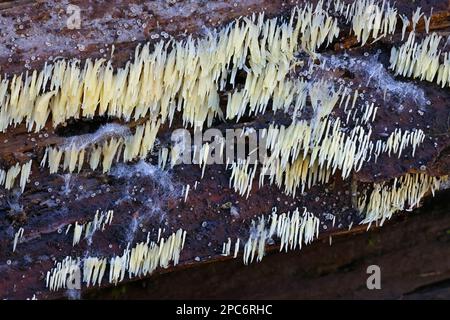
[[146, 256], [316, 159], [182, 76], [422, 60], [8, 177], [17, 238], [93, 270], [140, 260], [100, 221], [63, 272], [242, 175], [126, 148], [307, 152], [271, 45], [399, 140], [371, 20], [405, 193], [294, 229]]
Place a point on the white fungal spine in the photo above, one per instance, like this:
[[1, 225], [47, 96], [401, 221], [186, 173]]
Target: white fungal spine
[[145, 257], [236, 248], [242, 177], [11, 176], [406, 23], [226, 250], [24, 174], [77, 232], [17, 238], [427, 21], [371, 20], [416, 17]]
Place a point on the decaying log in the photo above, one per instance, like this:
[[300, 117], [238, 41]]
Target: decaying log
[[145, 199]]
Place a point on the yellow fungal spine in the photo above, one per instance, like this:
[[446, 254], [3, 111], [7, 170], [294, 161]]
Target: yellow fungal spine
[[405, 193]]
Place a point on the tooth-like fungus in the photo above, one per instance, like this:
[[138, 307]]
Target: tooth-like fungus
[[62, 273], [183, 75], [8, 177], [162, 157], [101, 220], [303, 153], [416, 17], [190, 77], [293, 229], [24, 174], [307, 152], [145, 257], [94, 270], [318, 152], [135, 146], [17, 237], [140, 260], [371, 20], [405, 193], [421, 60]]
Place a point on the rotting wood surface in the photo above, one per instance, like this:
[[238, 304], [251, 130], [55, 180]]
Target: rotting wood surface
[[51, 202]]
